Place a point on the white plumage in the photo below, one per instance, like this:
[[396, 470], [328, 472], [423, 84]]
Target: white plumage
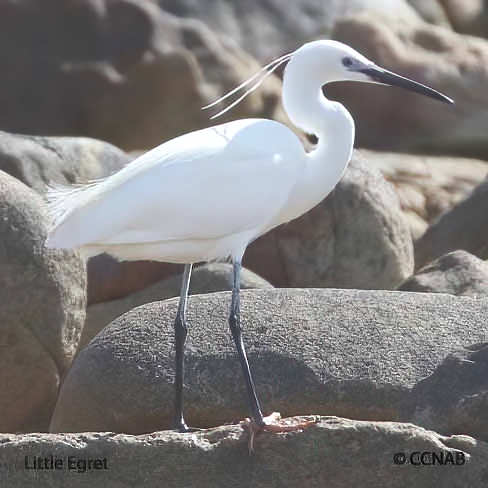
[[194, 198], [205, 195]]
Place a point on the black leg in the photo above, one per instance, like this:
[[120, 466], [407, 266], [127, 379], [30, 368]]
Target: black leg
[[180, 336], [236, 331]]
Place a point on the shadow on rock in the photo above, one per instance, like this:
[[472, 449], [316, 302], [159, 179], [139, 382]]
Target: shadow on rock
[[454, 399]]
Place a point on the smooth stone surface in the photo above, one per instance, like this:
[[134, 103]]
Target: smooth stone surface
[[457, 273], [357, 237], [340, 352], [205, 279], [42, 297], [334, 453]]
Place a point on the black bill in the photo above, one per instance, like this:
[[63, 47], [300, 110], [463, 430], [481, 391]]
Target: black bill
[[386, 77]]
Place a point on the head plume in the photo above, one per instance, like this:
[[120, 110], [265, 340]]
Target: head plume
[[250, 85]]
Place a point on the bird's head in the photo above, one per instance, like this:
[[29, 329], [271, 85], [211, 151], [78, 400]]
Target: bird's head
[[319, 62], [329, 61]]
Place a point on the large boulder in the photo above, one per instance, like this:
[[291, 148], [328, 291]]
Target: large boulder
[[335, 352], [42, 296], [357, 237], [457, 273], [123, 71], [334, 453], [393, 119]]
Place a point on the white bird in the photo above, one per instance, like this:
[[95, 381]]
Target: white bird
[[206, 195]]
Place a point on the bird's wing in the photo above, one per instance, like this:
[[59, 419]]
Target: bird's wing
[[204, 185]]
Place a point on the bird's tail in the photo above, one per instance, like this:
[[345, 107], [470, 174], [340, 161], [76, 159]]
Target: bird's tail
[[64, 202]]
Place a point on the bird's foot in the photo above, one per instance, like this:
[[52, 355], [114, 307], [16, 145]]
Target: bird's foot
[[189, 429], [182, 428], [275, 425]]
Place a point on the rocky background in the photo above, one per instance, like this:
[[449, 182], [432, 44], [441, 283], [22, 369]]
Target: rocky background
[[372, 306]]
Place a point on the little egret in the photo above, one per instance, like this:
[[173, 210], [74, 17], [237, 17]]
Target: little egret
[[206, 195]]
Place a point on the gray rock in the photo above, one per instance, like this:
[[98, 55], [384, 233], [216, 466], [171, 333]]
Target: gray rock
[[334, 453], [39, 161], [357, 237], [457, 273], [266, 30], [205, 279], [122, 71], [427, 185], [340, 352], [42, 296], [454, 398], [465, 227]]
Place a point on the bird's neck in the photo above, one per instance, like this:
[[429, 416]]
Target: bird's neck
[[333, 125]]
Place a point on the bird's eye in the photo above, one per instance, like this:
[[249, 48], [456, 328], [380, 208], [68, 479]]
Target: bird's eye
[[347, 61]]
